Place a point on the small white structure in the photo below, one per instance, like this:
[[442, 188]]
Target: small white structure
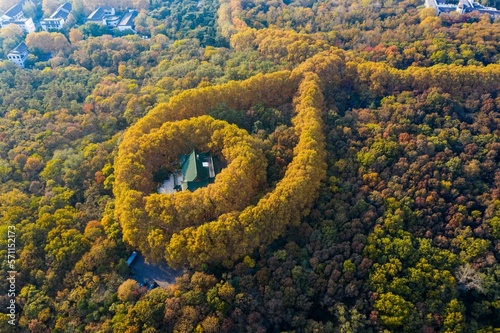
[[15, 15], [57, 19], [19, 55], [111, 20], [26, 24], [172, 184]]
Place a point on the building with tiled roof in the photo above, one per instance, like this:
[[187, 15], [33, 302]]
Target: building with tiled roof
[[127, 21], [198, 170], [57, 19], [99, 15], [463, 7], [19, 55], [15, 15]]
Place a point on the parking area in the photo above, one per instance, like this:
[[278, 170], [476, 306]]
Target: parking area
[[145, 272]]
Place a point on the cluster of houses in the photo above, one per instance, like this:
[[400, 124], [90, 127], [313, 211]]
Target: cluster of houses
[[106, 16], [463, 7]]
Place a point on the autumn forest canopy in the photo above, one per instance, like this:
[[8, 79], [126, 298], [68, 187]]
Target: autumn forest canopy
[[360, 187]]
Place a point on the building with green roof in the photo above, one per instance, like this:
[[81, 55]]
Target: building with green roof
[[198, 170]]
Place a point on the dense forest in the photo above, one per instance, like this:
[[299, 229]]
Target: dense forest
[[361, 191]]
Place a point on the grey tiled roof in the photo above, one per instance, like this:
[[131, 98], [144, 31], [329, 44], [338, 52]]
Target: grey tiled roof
[[62, 11], [14, 10], [21, 48], [128, 18], [99, 13]]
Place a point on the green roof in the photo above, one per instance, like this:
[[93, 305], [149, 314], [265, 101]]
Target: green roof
[[194, 175], [192, 186]]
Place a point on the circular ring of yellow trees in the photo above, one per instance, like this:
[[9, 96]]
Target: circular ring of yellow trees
[[225, 221]]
